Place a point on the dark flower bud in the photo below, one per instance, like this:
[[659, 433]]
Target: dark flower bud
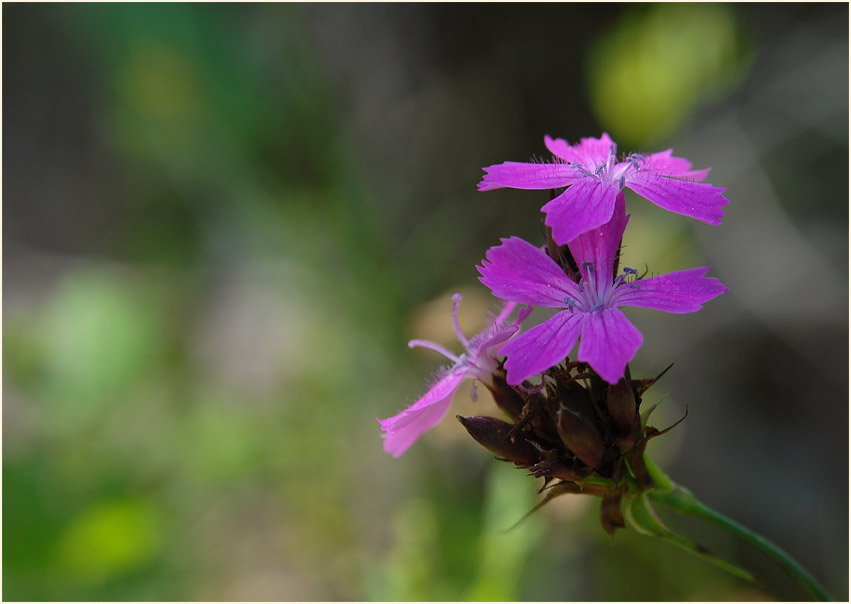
[[497, 437], [622, 406], [540, 413], [506, 397], [576, 425]]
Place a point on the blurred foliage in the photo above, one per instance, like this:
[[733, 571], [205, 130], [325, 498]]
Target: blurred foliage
[[646, 75], [223, 223], [95, 320], [89, 550]]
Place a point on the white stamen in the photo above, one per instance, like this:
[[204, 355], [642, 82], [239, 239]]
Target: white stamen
[[435, 347], [456, 297]]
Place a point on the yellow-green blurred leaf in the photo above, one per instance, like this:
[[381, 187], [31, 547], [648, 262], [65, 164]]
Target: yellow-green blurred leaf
[[646, 76], [110, 539]]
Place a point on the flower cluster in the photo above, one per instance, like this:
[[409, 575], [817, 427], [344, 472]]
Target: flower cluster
[[582, 420]]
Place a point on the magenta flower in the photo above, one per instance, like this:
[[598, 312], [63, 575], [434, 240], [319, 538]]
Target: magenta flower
[[520, 272], [477, 362], [594, 178]]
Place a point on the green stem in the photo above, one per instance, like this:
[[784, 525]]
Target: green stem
[[660, 479], [684, 502]]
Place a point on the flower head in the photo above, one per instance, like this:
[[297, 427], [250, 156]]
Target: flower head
[[594, 177], [520, 272], [478, 362]]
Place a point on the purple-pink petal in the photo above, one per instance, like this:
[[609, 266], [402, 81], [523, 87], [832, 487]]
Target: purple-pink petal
[[599, 246], [608, 343], [678, 292], [590, 152], [665, 163], [402, 430], [520, 272], [517, 175], [695, 175], [584, 206], [541, 347], [561, 149], [698, 200], [493, 338]]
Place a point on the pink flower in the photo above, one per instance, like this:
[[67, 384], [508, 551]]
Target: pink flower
[[520, 272], [477, 362], [594, 177]]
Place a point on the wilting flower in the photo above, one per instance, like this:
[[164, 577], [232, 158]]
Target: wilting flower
[[594, 178], [478, 362], [520, 272]]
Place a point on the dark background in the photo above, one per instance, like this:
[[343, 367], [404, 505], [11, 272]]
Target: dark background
[[222, 223]]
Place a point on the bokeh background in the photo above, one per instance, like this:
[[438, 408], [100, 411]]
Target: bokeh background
[[222, 223]]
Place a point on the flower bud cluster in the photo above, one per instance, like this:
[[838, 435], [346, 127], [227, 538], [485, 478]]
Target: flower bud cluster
[[576, 431]]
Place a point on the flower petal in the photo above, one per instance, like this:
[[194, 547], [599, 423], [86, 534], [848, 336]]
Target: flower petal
[[582, 207], [402, 430], [590, 152], [609, 341], [491, 338], [520, 272], [502, 317], [695, 175], [600, 245], [560, 148], [517, 175], [541, 347], [678, 292], [664, 162], [702, 201]]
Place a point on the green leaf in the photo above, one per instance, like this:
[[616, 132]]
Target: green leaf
[[641, 516]]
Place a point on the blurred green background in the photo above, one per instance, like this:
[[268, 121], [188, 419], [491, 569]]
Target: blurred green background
[[222, 223]]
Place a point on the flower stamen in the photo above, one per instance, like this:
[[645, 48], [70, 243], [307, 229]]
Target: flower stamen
[[456, 301], [437, 348]]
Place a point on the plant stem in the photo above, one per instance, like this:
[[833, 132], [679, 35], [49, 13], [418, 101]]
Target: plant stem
[[683, 502], [660, 479]]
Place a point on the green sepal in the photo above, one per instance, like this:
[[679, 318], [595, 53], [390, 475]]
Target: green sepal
[[596, 481], [641, 516]]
